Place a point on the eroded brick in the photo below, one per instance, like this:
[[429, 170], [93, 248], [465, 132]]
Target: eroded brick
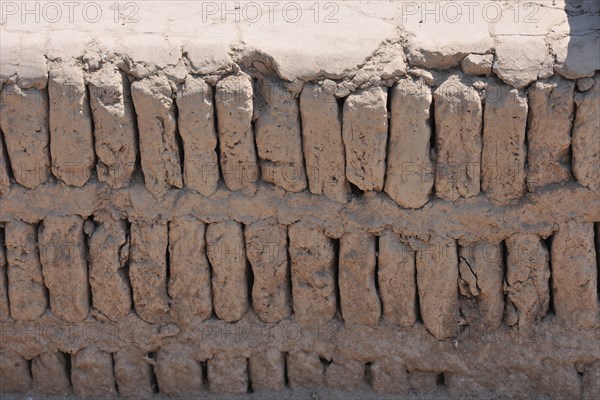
[[108, 255], [397, 280], [189, 283], [228, 375], [266, 247], [278, 137], [24, 120], [503, 155], [527, 275], [227, 255], [575, 275], [92, 373], [62, 252], [586, 141], [437, 276], [458, 122], [234, 106], [71, 136], [358, 295], [322, 143], [157, 127], [177, 372], [410, 172], [365, 132], [148, 270], [26, 290], [196, 126], [114, 126], [551, 109], [313, 277]]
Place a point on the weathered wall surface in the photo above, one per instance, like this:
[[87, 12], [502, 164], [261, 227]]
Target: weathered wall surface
[[177, 222]]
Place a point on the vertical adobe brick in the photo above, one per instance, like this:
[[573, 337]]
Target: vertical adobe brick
[[108, 251], [24, 119], [586, 141], [551, 109], [481, 277], [437, 276], [148, 270], [278, 137], [197, 129], [234, 106], [322, 143], [189, 281], [4, 308], [227, 255], [228, 375], [503, 155], [26, 290], [397, 280], [527, 275], [177, 372], [62, 252], [365, 132], [575, 275], [358, 295], [345, 374], [458, 139], [4, 165], [71, 136], [14, 372], [267, 370], [49, 371], [266, 247], [389, 375], [305, 370], [92, 373], [158, 130], [313, 274], [409, 174], [114, 126], [133, 373]]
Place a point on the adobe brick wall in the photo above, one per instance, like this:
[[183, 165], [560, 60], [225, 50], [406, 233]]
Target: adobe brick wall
[[427, 224]]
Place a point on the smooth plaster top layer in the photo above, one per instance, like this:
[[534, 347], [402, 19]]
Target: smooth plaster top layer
[[302, 40]]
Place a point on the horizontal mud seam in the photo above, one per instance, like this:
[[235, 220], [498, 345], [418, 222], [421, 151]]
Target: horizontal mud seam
[[466, 220]]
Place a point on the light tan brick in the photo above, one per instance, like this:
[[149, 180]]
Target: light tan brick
[[278, 137], [26, 290], [108, 254], [410, 172], [62, 252], [437, 276], [227, 255], [575, 275], [114, 126], [189, 283], [313, 277], [322, 143], [157, 127], [458, 113], [365, 132], [358, 295], [234, 105], [397, 280], [148, 270], [266, 247], [504, 152], [551, 109], [196, 126], [24, 120], [71, 136]]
